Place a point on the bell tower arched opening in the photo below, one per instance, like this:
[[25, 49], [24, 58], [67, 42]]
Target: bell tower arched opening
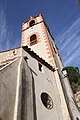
[[33, 39], [32, 23]]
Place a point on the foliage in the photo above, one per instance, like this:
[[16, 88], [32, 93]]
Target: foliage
[[74, 77]]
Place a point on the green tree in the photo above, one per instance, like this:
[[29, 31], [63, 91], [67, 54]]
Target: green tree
[[74, 77]]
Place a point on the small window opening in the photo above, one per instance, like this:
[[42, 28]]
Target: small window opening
[[33, 39], [77, 118], [32, 23], [14, 52], [25, 58], [40, 67]]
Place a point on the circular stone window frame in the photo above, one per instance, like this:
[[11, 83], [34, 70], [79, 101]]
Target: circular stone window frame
[[46, 100]]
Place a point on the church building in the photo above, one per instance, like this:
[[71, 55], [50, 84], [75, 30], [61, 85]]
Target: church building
[[33, 82]]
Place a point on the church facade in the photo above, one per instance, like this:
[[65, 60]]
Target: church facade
[[32, 85]]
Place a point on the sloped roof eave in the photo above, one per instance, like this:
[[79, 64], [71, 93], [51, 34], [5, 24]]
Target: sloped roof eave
[[33, 54]]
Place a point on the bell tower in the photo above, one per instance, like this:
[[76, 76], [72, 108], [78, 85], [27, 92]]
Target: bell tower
[[36, 35]]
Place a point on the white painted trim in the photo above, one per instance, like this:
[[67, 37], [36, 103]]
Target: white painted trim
[[8, 64], [17, 92]]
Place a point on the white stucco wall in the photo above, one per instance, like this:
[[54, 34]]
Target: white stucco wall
[[45, 81], [5, 56]]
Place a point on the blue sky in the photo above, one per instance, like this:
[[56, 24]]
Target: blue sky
[[61, 16]]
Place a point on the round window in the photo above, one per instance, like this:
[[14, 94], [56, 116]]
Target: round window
[[47, 100]]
